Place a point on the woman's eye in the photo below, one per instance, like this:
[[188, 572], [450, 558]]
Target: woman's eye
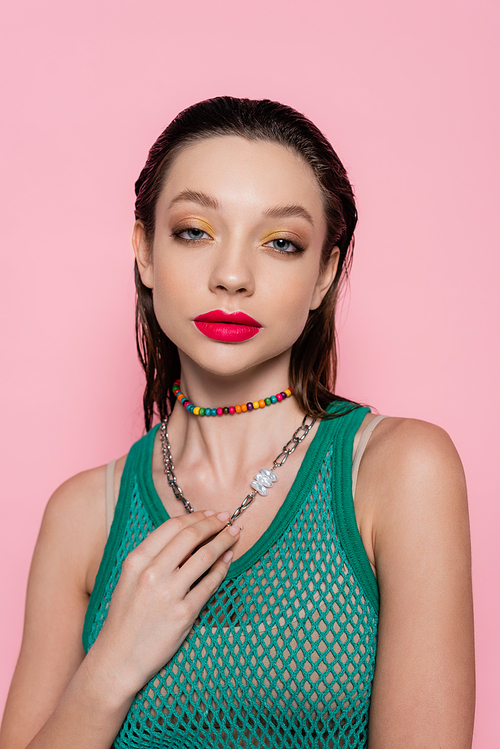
[[192, 234], [284, 245]]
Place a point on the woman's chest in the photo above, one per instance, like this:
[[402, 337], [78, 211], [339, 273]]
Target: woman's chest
[[284, 649], [259, 506]]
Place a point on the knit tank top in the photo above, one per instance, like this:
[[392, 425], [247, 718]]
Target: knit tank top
[[283, 654]]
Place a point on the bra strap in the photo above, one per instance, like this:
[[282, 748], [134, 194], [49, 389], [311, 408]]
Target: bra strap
[[110, 494], [361, 448]]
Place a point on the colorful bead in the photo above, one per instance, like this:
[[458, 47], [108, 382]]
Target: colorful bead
[[240, 408]]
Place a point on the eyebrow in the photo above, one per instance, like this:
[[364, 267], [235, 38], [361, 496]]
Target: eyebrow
[[288, 211], [193, 196], [279, 211]]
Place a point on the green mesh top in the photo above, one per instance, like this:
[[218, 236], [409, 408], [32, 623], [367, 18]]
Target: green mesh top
[[283, 654]]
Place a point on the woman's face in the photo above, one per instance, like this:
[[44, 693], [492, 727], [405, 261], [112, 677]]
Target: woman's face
[[239, 229]]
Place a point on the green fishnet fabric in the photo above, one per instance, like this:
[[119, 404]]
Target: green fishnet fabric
[[282, 655]]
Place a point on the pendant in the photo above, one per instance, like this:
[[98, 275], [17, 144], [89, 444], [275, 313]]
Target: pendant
[[263, 481]]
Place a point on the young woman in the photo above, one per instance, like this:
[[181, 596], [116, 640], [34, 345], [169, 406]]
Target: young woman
[[250, 594]]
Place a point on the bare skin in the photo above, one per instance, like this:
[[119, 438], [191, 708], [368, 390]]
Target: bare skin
[[410, 500]]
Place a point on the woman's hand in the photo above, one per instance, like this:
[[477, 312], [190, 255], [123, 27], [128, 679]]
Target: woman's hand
[[165, 582]]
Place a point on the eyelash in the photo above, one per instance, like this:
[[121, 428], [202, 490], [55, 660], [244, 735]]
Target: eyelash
[[298, 248], [177, 234]]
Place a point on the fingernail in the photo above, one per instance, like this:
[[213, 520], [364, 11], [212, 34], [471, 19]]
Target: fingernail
[[233, 529], [224, 515], [209, 512], [227, 556]]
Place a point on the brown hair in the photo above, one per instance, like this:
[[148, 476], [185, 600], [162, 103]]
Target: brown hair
[[313, 364]]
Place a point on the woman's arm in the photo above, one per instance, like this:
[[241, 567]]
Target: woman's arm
[[423, 692], [70, 543], [58, 697]]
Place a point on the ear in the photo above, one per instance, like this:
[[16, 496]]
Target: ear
[[143, 254], [325, 278]]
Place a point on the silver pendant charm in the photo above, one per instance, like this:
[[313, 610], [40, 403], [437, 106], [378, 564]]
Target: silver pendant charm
[[263, 481]]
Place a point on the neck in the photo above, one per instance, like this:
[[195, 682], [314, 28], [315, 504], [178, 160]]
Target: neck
[[210, 390], [231, 443]]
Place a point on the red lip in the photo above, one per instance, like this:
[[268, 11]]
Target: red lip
[[217, 315], [229, 327]]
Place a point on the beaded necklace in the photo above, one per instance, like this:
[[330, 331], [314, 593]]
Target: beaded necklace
[[240, 408]]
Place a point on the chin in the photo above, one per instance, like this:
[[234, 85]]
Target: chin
[[227, 369], [236, 362]]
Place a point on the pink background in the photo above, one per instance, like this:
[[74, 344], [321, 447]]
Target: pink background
[[408, 92]]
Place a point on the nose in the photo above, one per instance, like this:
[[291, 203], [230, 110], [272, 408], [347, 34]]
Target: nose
[[232, 271]]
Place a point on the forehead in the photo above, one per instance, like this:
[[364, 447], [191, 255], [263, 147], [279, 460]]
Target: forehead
[[242, 172]]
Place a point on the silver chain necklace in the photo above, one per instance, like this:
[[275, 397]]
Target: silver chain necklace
[[263, 480]]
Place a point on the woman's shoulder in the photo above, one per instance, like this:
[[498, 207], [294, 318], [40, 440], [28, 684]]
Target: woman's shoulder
[[402, 446], [393, 436], [79, 497], [74, 521], [411, 481]]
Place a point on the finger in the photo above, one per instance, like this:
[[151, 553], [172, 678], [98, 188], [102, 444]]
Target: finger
[[161, 536], [197, 597], [188, 539], [205, 557]]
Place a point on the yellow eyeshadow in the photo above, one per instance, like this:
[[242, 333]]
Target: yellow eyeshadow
[[277, 234], [191, 222]]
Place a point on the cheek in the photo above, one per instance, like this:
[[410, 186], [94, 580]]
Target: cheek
[[172, 290], [293, 304]]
